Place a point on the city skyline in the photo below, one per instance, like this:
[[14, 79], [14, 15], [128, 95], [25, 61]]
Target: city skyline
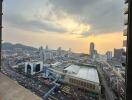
[[52, 23]]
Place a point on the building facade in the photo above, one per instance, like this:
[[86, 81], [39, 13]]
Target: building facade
[[92, 51], [109, 55], [118, 53], [33, 67]]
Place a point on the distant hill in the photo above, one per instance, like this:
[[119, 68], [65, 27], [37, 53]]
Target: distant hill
[[10, 46]]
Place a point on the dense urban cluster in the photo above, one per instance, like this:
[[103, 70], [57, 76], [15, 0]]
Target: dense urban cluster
[[64, 75]]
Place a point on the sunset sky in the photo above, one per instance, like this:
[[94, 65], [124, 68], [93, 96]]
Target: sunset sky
[[66, 23]]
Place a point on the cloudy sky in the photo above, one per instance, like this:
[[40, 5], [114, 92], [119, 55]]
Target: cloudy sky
[[66, 23]]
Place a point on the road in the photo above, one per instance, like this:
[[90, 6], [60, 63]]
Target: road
[[35, 85], [29, 83], [108, 92], [106, 63]]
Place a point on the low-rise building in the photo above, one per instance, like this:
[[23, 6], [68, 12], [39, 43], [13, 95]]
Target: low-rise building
[[33, 67]]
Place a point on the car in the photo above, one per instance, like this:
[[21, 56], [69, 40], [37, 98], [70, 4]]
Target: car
[[59, 91]]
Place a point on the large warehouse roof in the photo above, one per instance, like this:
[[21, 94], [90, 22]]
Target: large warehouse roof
[[72, 69], [86, 73]]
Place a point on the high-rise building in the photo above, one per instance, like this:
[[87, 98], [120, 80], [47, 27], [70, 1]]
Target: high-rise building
[[59, 52], [109, 55], [41, 54], [47, 54], [118, 53], [46, 48], [69, 52], [91, 49]]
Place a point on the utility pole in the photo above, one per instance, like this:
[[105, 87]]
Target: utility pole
[[0, 29]]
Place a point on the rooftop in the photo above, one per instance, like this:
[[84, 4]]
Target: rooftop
[[86, 73], [11, 90]]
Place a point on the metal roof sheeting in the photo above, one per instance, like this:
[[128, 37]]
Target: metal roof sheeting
[[86, 73]]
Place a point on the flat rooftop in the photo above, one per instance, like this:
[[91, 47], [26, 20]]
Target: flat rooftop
[[11, 90], [82, 72]]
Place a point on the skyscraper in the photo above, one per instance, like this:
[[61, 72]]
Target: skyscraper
[[69, 52], [91, 49], [47, 53], [118, 53], [41, 54], [59, 52], [46, 48]]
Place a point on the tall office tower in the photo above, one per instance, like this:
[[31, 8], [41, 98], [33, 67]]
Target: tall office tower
[[91, 51], [46, 48], [59, 52], [118, 53], [41, 54], [109, 55], [47, 55], [69, 52], [0, 28]]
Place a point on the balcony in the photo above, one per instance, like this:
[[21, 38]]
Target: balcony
[[126, 1], [126, 9], [126, 19], [125, 32], [124, 43]]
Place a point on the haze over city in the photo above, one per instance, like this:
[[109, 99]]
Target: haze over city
[[66, 23]]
